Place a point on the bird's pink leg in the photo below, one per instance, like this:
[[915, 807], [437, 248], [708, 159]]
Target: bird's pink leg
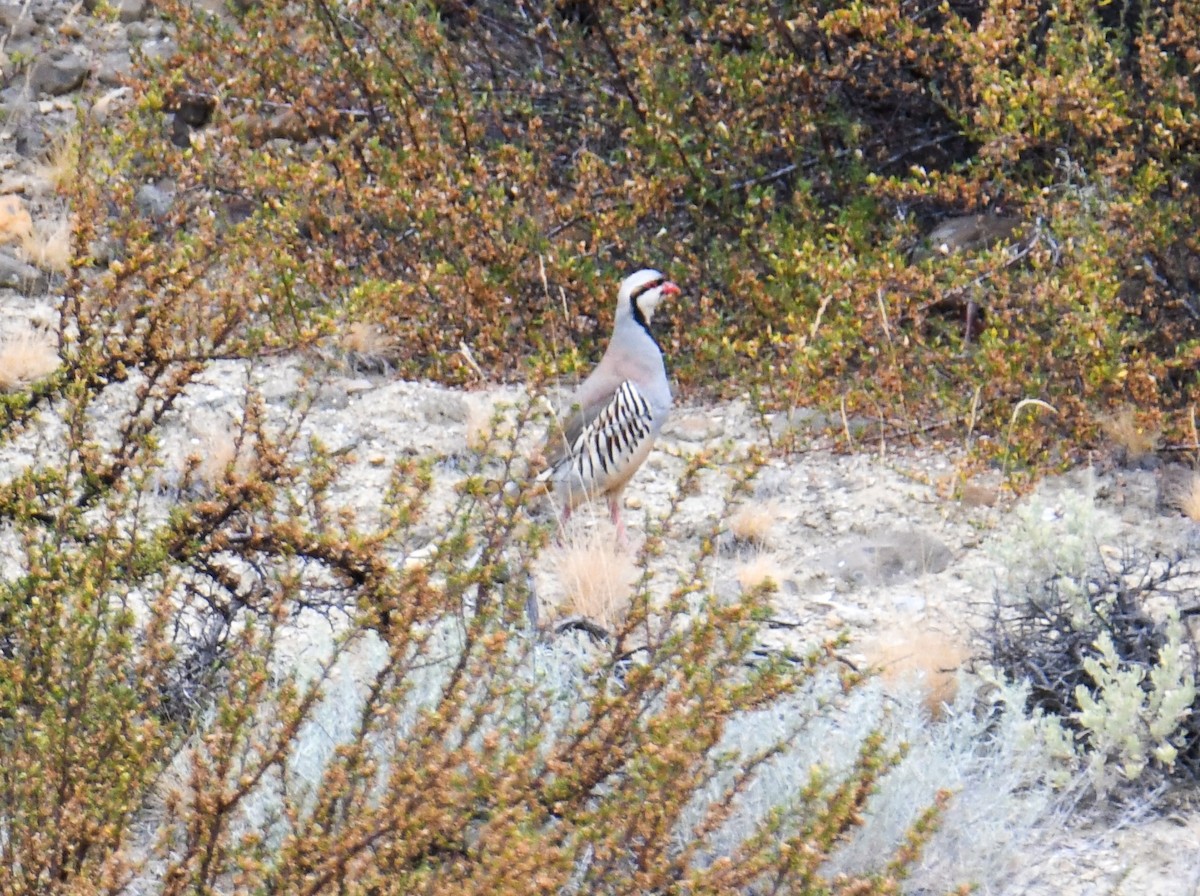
[[614, 511], [563, 517]]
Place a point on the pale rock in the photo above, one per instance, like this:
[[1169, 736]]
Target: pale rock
[[16, 274], [694, 427]]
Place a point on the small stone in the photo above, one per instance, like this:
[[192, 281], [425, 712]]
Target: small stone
[[16, 274], [131, 10], [153, 202], [54, 77], [15, 21], [112, 68], [695, 428]]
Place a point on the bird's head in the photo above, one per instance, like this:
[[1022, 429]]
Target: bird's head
[[640, 294]]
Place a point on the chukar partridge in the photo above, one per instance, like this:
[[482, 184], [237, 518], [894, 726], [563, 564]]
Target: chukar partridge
[[619, 409]]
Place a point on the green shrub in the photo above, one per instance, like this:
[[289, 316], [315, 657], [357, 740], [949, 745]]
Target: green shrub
[[481, 174], [1100, 643]]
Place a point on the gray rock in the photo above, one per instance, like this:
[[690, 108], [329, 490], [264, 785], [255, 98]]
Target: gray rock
[[16, 274], [694, 427], [154, 202], [113, 67], [139, 31], [886, 557], [16, 21], [30, 139], [54, 77], [131, 10], [158, 49]]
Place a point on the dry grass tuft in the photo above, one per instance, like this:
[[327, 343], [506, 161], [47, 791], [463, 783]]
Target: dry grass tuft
[[218, 456], [60, 166], [758, 571], [367, 347], [25, 358], [598, 579], [15, 223], [1188, 498], [480, 412], [753, 523], [929, 658], [47, 245], [1132, 438]]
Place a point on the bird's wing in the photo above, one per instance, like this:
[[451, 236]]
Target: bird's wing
[[602, 437], [562, 437]]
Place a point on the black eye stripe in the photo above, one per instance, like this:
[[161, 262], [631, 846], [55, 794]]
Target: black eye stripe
[[645, 287]]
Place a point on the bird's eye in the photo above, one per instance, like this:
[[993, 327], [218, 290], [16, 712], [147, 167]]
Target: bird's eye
[[646, 287]]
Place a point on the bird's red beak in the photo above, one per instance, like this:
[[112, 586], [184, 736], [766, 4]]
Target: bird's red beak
[[670, 289]]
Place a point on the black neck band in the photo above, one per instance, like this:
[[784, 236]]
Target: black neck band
[[641, 319]]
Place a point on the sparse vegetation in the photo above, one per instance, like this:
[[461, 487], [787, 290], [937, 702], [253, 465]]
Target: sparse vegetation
[[753, 521], [561, 142], [47, 245], [1099, 640], [911, 656], [1188, 498], [60, 166], [1133, 440], [26, 356], [443, 190], [15, 221], [761, 570], [597, 577]]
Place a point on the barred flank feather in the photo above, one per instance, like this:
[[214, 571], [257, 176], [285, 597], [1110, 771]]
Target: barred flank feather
[[606, 446]]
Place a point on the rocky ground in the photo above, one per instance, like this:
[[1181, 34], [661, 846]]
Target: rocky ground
[[884, 541]]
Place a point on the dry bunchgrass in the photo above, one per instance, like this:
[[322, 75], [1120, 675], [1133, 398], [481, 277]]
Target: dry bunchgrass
[[26, 357], [1187, 499], [930, 658], [60, 166], [597, 578], [47, 245], [1131, 437], [479, 422], [366, 346], [761, 570], [218, 457], [15, 222], [752, 523]]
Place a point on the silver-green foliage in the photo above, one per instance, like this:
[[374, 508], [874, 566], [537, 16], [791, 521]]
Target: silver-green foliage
[[1094, 627], [1133, 715]]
